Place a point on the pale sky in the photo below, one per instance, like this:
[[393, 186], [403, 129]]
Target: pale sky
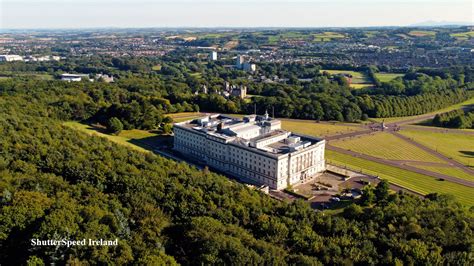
[[16, 14]]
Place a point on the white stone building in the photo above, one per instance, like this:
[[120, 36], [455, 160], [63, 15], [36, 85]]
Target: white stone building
[[75, 77], [10, 58], [254, 149]]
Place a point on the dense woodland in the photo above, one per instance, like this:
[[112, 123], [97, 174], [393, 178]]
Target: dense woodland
[[58, 183], [141, 97]]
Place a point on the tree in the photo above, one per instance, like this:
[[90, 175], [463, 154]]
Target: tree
[[382, 190], [368, 195], [353, 211], [167, 128], [114, 126]]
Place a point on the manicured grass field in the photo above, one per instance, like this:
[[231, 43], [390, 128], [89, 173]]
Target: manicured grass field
[[386, 77], [386, 146], [309, 127], [451, 171], [444, 110], [421, 33], [460, 147], [123, 138], [414, 181]]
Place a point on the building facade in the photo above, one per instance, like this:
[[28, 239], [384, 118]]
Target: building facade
[[254, 149], [74, 77], [213, 55], [10, 58]]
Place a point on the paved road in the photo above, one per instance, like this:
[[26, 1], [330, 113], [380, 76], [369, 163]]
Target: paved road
[[413, 120], [424, 163], [402, 166], [435, 153], [349, 135]]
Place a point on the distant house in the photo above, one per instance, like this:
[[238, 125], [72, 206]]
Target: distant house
[[74, 77]]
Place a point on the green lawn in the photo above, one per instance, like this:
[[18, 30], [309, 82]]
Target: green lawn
[[386, 146], [361, 86], [309, 127], [414, 181], [451, 171], [459, 147], [184, 116], [123, 138], [386, 77]]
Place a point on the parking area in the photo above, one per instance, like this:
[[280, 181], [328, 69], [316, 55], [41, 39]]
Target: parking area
[[332, 189]]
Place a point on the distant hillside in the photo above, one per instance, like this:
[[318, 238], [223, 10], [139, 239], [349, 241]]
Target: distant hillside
[[432, 23]]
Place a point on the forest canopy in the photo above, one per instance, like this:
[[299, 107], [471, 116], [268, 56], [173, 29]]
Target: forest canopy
[[58, 183]]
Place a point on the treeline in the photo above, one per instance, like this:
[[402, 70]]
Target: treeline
[[137, 104], [395, 106], [181, 80], [455, 119], [58, 183], [414, 84]]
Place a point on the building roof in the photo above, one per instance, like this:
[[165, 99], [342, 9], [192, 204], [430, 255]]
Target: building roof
[[273, 143]]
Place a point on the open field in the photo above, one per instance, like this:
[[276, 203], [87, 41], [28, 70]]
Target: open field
[[451, 171], [309, 127], [459, 147], [370, 34], [231, 44], [463, 35], [40, 76], [421, 33], [444, 110], [327, 36], [357, 77], [386, 77], [404, 36], [386, 146], [361, 86], [124, 138], [414, 181]]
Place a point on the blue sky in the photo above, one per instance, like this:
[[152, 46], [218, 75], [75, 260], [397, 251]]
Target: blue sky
[[229, 13]]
